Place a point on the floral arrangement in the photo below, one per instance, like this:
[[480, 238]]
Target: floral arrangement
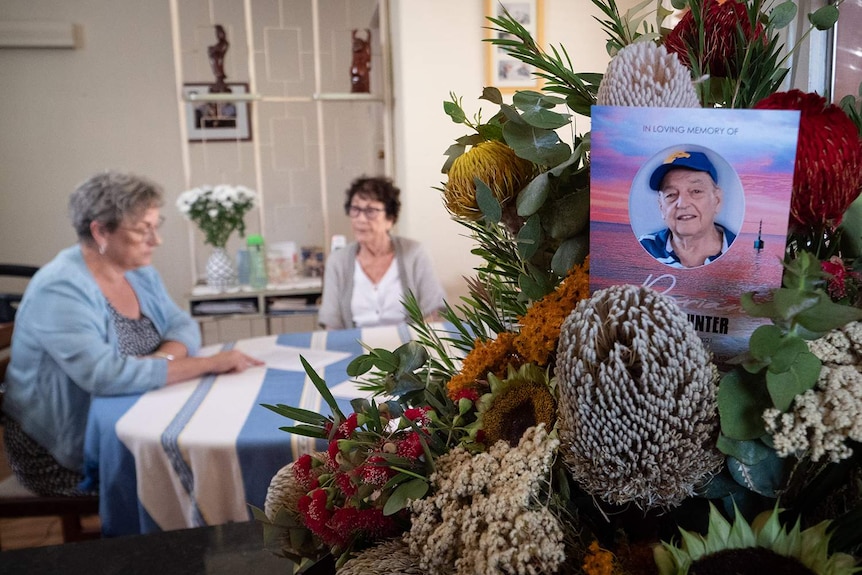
[[549, 430], [217, 210]]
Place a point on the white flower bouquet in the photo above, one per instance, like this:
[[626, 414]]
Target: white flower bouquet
[[217, 210]]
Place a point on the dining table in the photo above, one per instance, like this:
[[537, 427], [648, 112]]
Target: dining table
[[202, 452]]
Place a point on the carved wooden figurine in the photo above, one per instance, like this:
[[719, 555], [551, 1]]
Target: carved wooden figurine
[[216, 53], [359, 80]]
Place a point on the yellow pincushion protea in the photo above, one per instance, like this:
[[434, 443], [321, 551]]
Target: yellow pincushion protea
[[494, 163], [765, 535]]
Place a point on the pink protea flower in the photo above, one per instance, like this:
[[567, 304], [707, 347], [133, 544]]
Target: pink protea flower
[[720, 21], [828, 173]]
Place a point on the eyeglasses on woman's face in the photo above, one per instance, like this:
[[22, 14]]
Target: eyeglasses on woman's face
[[369, 212], [146, 231]]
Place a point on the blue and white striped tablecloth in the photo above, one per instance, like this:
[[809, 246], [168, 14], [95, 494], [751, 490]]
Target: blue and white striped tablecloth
[[198, 453]]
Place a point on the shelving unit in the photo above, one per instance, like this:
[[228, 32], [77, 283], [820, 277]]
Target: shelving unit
[[226, 316]]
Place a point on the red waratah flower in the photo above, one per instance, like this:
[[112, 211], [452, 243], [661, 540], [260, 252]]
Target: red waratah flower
[[720, 21], [828, 174]]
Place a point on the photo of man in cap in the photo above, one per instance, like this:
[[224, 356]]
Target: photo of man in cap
[[689, 199]]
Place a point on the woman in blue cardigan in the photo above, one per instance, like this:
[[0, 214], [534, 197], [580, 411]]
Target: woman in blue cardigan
[[96, 320]]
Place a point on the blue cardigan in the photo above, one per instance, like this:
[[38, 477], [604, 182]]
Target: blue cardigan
[[65, 350]]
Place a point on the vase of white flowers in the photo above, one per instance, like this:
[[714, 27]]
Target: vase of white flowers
[[218, 211]]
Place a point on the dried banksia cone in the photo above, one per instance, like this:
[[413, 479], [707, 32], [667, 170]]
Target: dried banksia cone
[[388, 558], [494, 163], [637, 409], [643, 74], [283, 493]]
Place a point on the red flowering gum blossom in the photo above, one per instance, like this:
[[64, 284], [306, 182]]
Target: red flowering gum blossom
[[375, 471], [828, 173], [347, 427], [470, 394], [410, 447], [720, 20], [315, 515], [418, 415], [302, 472]]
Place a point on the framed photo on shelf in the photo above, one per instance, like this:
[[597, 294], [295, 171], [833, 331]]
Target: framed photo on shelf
[[503, 71], [223, 120]]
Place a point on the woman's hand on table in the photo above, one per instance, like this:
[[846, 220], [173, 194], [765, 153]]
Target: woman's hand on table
[[232, 361]]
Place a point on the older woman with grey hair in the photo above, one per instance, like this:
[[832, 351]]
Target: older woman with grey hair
[[96, 320]]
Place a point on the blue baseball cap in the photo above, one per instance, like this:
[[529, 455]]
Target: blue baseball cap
[[682, 159]]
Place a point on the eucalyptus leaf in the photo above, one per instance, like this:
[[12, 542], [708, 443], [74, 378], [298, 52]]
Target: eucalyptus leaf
[[571, 252], [359, 365], [742, 397], [827, 315], [782, 15], [530, 287], [851, 225], [749, 452], [384, 360], [785, 386], [529, 237], [488, 204], [768, 477], [413, 489], [764, 342], [411, 356], [454, 111], [492, 94], [824, 18], [541, 117], [569, 215], [360, 404], [542, 147], [786, 355], [405, 383], [533, 196]]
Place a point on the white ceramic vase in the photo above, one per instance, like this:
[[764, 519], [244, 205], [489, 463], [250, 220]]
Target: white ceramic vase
[[220, 272]]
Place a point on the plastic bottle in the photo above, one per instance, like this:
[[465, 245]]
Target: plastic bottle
[[257, 262], [243, 268]]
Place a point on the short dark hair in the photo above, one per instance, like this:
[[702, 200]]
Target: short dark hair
[[377, 188], [110, 197]]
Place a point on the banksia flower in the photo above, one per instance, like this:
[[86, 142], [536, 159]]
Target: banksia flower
[[636, 406], [721, 19], [388, 558], [283, 493], [643, 74], [828, 173], [494, 163]]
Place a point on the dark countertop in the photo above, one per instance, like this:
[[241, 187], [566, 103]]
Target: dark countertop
[[230, 549]]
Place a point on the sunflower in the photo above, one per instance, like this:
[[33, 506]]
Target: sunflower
[[522, 400], [764, 546]]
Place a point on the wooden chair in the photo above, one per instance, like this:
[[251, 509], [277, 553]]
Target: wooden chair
[[9, 301], [16, 501]]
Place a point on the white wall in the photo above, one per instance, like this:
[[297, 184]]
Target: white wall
[[112, 104]]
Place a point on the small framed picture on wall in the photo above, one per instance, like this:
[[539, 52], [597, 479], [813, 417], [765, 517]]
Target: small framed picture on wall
[[502, 70], [216, 120]]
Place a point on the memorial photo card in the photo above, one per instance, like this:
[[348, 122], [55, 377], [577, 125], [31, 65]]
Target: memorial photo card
[[694, 203]]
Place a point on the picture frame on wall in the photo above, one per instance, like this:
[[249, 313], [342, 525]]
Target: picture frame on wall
[[221, 120], [502, 71]]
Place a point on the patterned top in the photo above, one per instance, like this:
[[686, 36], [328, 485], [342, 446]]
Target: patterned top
[[135, 337]]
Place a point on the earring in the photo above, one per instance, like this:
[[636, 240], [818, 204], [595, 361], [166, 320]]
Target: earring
[[102, 249]]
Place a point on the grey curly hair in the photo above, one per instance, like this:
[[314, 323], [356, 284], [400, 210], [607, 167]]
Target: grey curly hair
[[109, 198]]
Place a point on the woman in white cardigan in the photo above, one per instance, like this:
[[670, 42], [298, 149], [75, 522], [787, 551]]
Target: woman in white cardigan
[[365, 282]]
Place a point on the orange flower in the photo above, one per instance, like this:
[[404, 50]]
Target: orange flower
[[540, 326], [487, 356], [598, 561]]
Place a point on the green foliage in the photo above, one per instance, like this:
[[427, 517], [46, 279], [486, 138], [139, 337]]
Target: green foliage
[[777, 368]]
